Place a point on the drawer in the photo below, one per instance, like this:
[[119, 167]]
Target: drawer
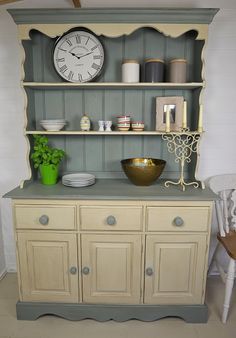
[[45, 217], [178, 218], [111, 218]]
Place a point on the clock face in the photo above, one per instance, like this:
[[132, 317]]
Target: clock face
[[78, 56]]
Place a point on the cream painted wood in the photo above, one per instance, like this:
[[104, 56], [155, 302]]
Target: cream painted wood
[[45, 260], [111, 30], [114, 263], [142, 85], [178, 264], [115, 218], [59, 217], [165, 218]]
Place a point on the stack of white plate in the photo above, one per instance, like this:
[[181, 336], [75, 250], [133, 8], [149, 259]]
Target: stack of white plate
[[78, 180], [53, 125]]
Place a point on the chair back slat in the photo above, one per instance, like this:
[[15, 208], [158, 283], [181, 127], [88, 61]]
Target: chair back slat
[[225, 187], [233, 209]]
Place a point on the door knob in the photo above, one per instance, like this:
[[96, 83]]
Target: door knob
[[86, 270], [44, 219], [149, 271], [73, 270], [111, 220], [178, 221]]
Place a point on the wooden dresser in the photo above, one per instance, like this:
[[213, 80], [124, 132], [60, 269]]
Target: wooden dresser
[[112, 250]]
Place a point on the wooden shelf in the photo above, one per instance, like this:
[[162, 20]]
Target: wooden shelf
[[101, 133], [113, 85]]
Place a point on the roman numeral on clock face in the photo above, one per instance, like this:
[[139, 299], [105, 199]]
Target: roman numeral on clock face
[[78, 39], [97, 57], [69, 42], [70, 76], [61, 60], [95, 66], [64, 50], [94, 47], [63, 69], [80, 77]]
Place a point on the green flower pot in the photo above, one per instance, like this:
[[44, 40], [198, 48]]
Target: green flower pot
[[49, 174]]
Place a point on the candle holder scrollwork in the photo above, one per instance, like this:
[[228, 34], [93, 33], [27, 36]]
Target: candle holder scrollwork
[[182, 144]]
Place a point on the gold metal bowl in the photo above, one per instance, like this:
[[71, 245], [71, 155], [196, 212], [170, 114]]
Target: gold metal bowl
[[143, 171]]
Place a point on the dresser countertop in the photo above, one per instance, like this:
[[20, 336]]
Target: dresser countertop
[[110, 189]]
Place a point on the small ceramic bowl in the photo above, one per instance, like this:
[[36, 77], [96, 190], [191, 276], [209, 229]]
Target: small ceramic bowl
[[138, 126], [123, 128], [123, 125], [122, 119]]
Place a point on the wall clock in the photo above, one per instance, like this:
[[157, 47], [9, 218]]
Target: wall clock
[[78, 56]]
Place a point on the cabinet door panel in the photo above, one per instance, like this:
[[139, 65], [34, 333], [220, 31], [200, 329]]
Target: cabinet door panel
[[178, 265], [114, 263], [45, 261]]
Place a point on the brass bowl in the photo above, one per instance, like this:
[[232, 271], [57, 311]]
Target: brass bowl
[[143, 171]]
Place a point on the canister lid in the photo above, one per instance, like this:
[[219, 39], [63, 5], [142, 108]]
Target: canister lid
[[154, 60], [130, 61], [178, 60]]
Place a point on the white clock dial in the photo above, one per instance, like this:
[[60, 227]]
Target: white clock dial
[[78, 56]]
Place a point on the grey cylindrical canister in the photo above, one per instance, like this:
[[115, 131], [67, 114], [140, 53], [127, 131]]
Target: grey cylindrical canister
[[178, 70], [154, 70]]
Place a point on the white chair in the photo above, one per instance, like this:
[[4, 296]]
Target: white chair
[[225, 187]]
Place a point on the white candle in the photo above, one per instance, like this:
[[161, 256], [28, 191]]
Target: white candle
[[200, 125], [184, 124], [168, 120]]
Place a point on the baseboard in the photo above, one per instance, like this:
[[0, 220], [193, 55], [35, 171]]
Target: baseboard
[[3, 274]]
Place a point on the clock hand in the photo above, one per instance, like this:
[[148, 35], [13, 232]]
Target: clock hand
[[85, 55], [78, 57]]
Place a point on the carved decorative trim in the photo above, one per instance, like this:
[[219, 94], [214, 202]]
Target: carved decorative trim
[[111, 30]]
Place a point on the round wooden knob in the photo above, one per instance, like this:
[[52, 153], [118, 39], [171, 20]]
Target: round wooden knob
[[111, 220], [86, 270], [178, 221], [149, 272], [44, 219], [73, 270]]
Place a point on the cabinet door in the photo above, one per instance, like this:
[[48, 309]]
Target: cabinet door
[[48, 267], [175, 269], [111, 268]]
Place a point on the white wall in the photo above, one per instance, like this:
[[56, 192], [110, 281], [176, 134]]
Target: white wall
[[218, 154]]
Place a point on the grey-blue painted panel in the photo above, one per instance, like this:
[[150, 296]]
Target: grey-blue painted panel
[[73, 107], [54, 104], [120, 313], [114, 52], [114, 15], [75, 154]]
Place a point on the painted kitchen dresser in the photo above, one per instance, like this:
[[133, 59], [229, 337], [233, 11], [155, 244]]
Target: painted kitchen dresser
[[112, 250]]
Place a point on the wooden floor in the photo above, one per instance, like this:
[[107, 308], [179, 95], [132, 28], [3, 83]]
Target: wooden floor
[[50, 326]]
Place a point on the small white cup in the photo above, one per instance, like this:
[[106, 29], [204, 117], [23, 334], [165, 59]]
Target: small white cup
[[101, 125], [108, 125]]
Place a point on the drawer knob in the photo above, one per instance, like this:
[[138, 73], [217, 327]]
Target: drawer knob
[[73, 270], [149, 272], [111, 220], [44, 219], [86, 270], [178, 221]]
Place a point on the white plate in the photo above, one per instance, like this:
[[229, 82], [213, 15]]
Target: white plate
[[78, 177], [78, 185]]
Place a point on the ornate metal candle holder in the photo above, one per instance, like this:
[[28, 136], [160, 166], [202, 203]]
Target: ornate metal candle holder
[[182, 144]]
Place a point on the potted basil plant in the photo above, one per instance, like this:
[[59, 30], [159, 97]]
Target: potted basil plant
[[46, 159]]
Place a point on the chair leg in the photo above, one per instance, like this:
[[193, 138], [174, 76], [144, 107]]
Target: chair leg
[[228, 288], [213, 259]]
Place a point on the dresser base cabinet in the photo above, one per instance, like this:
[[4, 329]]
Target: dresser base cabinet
[[119, 313], [147, 262]]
